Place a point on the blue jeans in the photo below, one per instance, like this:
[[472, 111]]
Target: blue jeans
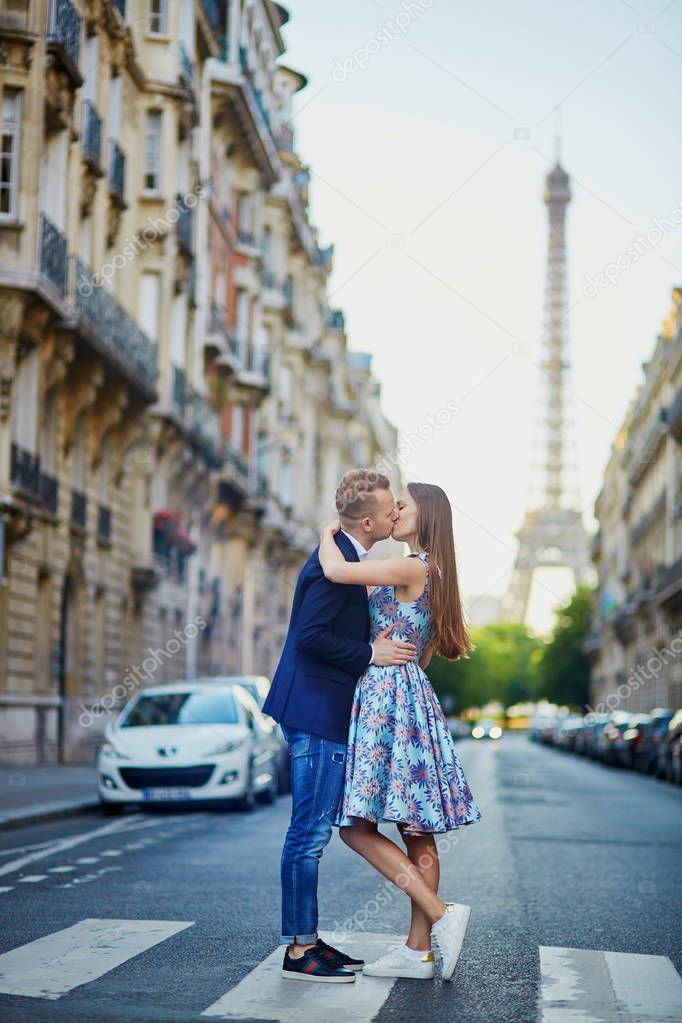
[[317, 774]]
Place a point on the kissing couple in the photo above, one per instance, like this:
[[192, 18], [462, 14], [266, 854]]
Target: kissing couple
[[367, 736]]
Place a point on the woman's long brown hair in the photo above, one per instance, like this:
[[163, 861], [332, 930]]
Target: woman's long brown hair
[[434, 535]]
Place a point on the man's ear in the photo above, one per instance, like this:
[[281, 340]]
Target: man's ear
[[366, 524]]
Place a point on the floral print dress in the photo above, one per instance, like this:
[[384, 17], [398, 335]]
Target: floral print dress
[[401, 764]]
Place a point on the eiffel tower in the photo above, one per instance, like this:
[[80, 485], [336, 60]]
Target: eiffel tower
[[552, 533]]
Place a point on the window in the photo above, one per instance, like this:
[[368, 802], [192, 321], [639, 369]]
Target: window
[[149, 304], [9, 152], [25, 404], [237, 429], [152, 151], [242, 325], [245, 217], [158, 17]]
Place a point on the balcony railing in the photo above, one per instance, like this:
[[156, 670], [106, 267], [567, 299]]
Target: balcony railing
[[247, 238], [53, 254], [212, 13], [186, 66], [255, 91], [184, 224], [179, 390], [25, 470], [203, 423], [216, 319], [117, 170], [49, 492], [103, 522], [79, 507], [237, 465], [92, 133], [64, 33], [110, 322]]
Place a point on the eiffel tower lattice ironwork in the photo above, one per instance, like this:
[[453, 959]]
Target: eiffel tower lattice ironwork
[[552, 533]]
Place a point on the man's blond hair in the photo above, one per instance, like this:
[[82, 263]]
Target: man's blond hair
[[355, 493]]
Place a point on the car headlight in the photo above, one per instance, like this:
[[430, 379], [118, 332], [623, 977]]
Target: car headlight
[[478, 732], [495, 732], [109, 750], [226, 747]]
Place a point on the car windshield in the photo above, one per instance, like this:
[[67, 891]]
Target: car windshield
[[183, 709]]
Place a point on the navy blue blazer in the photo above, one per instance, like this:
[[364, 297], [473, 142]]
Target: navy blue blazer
[[326, 650]]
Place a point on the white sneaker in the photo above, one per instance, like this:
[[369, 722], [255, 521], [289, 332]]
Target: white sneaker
[[396, 964], [447, 937]]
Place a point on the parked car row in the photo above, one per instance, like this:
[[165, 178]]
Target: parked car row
[[651, 743], [200, 740]]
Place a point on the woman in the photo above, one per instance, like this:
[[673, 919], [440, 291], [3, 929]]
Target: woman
[[401, 764]]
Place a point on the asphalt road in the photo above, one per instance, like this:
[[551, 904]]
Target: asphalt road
[[568, 854]]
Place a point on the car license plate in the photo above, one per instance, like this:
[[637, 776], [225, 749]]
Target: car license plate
[[161, 794]]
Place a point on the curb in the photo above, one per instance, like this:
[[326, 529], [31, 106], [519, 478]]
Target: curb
[[48, 812]]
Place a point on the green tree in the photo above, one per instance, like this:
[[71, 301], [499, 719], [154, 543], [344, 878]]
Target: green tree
[[504, 666], [564, 669]]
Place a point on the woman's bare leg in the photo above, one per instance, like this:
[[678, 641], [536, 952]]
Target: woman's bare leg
[[423, 853], [385, 856]]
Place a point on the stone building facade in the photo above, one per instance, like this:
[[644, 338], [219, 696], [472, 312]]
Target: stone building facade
[[177, 398], [635, 646]]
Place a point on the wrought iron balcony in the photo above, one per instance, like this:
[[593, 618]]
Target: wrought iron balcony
[[186, 66], [25, 470], [184, 224], [103, 522], [247, 238], [112, 327], [117, 170], [92, 133], [237, 465], [255, 91], [49, 492], [64, 36], [216, 319], [53, 254], [203, 424], [79, 507], [212, 13], [179, 390], [675, 416]]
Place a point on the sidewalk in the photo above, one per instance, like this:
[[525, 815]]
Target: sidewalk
[[30, 794]]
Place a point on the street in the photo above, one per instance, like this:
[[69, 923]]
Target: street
[[171, 910]]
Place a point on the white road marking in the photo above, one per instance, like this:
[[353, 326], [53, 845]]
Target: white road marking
[[3, 890], [60, 870], [264, 993], [63, 960], [111, 852], [581, 985], [87, 859], [126, 824], [31, 878]]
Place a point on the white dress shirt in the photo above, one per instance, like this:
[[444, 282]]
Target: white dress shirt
[[363, 554]]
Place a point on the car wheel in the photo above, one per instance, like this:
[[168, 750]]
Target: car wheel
[[247, 803], [270, 794], [110, 809]]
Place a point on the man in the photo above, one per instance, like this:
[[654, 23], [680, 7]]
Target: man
[[326, 650]]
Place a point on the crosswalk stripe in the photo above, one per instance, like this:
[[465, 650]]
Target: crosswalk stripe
[[6, 889], [579, 985], [63, 960], [256, 996], [31, 878]]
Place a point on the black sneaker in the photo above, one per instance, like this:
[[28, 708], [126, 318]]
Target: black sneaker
[[338, 959], [314, 965]]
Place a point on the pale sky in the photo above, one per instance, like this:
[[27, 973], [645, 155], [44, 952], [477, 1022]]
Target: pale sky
[[433, 198]]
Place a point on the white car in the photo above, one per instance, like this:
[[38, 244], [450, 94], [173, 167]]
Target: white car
[[190, 741]]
